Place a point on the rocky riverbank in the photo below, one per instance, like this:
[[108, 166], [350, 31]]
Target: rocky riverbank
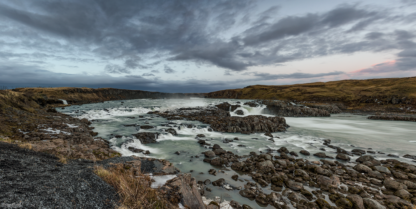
[[300, 183]]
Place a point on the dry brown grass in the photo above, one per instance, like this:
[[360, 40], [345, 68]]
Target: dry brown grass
[[134, 190], [345, 90], [63, 159], [25, 145]]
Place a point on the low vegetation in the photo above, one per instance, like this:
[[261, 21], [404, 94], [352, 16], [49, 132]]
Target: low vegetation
[[134, 188], [350, 92]]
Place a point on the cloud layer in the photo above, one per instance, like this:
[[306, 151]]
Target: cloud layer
[[146, 44]]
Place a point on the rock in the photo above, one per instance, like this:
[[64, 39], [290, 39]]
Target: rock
[[146, 137], [200, 135], [261, 198], [404, 194], [372, 204], [304, 152], [295, 186], [382, 169], [322, 203], [326, 183], [135, 150], [201, 142], [391, 155], [343, 157], [178, 152], [234, 177], [207, 181], [283, 150], [269, 134], [183, 188], [239, 112], [320, 154], [393, 185], [358, 151], [227, 106], [146, 127], [209, 154], [400, 175], [362, 168], [364, 158], [356, 200], [219, 182], [171, 131], [212, 172], [293, 154]]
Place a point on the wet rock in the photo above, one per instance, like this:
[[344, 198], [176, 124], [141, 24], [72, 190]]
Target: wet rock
[[295, 186], [343, 157], [177, 152], [239, 112], [285, 109], [146, 137], [135, 150], [322, 203], [234, 177], [227, 106], [200, 135], [391, 155], [320, 154], [212, 172], [400, 175], [207, 181], [261, 198], [356, 200], [201, 142], [362, 168], [404, 194], [382, 169], [393, 185], [372, 204], [365, 158], [283, 150], [358, 152], [209, 154], [304, 152], [293, 153], [172, 131], [146, 127], [220, 182]]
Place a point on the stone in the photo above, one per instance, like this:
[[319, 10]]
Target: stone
[[146, 137], [295, 186], [393, 185], [209, 154], [219, 182], [364, 158], [239, 112], [356, 200], [343, 157], [372, 204], [320, 154], [382, 169], [234, 177], [362, 168], [404, 194], [304, 152]]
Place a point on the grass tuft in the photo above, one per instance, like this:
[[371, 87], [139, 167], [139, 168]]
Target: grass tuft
[[25, 145], [63, 159], [134, 189]]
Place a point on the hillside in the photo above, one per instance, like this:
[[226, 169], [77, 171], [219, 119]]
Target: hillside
[[388, 92]]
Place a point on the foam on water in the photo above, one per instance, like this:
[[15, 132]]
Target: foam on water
[[161, 180], [110, 113], [123, 149]]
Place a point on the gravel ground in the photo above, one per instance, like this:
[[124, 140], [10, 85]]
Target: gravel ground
[[31, 179]]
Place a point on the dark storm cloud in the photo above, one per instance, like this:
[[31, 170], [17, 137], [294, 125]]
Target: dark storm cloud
[[115, 69]]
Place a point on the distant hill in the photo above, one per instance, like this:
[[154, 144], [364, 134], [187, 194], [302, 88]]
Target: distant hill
[[353, 93]]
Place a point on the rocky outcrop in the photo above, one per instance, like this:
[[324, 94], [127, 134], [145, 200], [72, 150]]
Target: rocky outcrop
[[220, 120], [290, 109], [147, 137], [227, 106], [183, 189]]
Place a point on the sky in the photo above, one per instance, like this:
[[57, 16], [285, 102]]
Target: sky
[[203, 46]]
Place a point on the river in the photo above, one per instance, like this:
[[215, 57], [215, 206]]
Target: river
[[347, 131]]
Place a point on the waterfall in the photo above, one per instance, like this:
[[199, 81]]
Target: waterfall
[[64, 101]]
